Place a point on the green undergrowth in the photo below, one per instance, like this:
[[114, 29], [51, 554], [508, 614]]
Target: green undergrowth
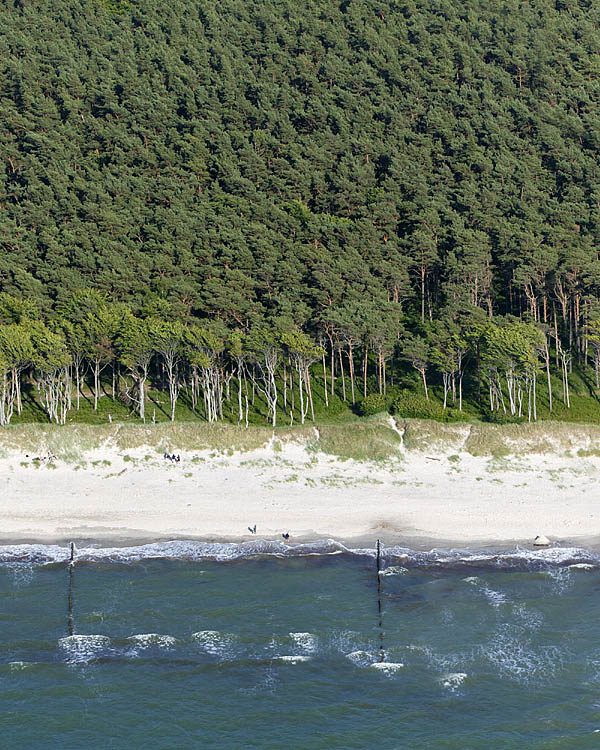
[[332, 410], [405, 400]]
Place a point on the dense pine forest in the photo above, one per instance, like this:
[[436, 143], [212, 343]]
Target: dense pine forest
[[285, 211]]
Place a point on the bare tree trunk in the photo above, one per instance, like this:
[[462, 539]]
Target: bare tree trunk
[[310, 398], [142, 399], [194, 387], [422, 294], [565, 375], [301, 394], [351, 368], [16, 379], [547, 358], [556, 344], [96, 383], [365, 365], [478, 374], [571, 315], [332, 366], [342, 373], [240, 411], [7, 399]]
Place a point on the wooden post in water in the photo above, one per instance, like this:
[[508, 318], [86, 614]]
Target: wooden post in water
[[379, 607], [70, 605]]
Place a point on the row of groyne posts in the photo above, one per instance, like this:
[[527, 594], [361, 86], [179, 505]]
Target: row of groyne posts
[[70, 600], [381, 657], [381, 654]]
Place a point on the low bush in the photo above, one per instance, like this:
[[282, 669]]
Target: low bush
[[413, 406], [335, 406], [499, 417], [373, 404]]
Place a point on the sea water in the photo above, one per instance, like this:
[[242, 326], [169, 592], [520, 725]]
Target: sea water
[[262, 645]]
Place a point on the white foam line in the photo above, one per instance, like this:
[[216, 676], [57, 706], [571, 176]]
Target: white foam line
[[147, 640], [453, 680], [291, 659], [388, 667], [40, 554], [306, 641]]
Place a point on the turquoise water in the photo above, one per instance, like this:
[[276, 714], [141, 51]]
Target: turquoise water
[[240, 646]]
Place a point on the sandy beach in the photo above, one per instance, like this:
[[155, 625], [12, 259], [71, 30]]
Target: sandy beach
[[428, 497]]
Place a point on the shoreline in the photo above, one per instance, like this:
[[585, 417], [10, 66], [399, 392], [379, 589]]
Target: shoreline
[[431, 490], [119, 539]]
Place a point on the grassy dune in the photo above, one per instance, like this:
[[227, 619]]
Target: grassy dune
[[483, 439], [373, 439], [370, 439], [71, 442]]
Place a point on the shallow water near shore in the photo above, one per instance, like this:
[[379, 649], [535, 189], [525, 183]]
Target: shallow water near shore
[[261, 645]]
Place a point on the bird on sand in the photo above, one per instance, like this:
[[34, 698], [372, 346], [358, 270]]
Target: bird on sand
[[286, 536], [252, 530]]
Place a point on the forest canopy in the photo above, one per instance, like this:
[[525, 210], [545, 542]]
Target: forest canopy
[[363, 181]]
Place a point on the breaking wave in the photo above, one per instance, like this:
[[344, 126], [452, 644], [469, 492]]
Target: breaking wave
[[81, 649], [291, 659], [215, 643], [396, 559], [453, 681], [305, 641]]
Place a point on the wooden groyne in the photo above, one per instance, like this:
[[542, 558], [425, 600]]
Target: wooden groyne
[[379, 603], [70, 598]]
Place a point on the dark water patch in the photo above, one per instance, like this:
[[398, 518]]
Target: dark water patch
[[269, 650]]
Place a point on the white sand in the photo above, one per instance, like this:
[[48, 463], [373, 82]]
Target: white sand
[[458, 500]]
